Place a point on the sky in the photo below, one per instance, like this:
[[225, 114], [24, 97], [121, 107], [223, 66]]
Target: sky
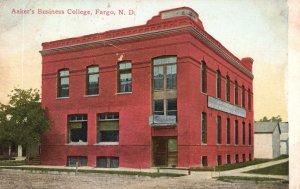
[[247, 28]]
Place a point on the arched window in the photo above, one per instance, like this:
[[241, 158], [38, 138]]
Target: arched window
[[236, 93], [203, 77], [218, 84], [227, 88], [92, 80], [249, 99], [243, 96], [63, 83]]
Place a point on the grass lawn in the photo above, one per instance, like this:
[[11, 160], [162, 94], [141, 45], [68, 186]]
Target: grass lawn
[[254, 179], [11, 163], [231, 166], [279, 169], [133, 173], [237, 165]]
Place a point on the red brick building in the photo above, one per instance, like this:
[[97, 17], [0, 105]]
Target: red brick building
[[161, 94]]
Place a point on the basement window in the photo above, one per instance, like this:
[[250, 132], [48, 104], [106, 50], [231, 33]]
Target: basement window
[[81, 160], [108, 162], [219, 160], [108, 127], [204, 161], [228, 159], [236, 158], [77, 126]]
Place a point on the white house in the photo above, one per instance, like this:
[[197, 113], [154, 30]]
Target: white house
[[266, 140], [284, 138]]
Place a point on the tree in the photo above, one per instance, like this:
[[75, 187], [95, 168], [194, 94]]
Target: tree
[[23, 120], [272, 119]]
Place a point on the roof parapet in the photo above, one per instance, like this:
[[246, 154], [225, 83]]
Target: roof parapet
[[247, 63]]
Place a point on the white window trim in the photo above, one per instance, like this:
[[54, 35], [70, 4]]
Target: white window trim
[[107, 144]]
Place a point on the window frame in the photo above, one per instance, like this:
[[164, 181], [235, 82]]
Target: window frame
[[219, 130], [219, 160], [108, 117], [228, 131], [249, 134], [77, 120], [236, 132], [228, 159], [204, 163], [243, 133], [124, 71], [227, 88], [59, 83], [109, 161], [236, 93], [243, 97], [164, 65], [249, 100], [204, 128], [88, 74], [203, 77], [218, 84]]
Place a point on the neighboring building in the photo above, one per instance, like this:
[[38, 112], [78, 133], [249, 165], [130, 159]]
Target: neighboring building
[[161, 94], [266, 140], [284, 138]]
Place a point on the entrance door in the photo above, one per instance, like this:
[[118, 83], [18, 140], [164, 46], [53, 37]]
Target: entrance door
[[164, 152]]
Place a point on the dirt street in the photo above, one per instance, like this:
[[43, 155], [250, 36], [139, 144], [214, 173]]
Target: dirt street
[[23, 180]]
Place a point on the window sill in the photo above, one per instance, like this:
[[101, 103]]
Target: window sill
[[61, 98], [203, 144], [107, 144], [204, 93], [91, 95], [77, 144], [123, 93]]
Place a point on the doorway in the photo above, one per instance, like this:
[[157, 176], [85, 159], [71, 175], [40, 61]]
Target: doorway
[[164, 152]]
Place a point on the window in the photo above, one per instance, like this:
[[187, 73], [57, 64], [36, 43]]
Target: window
[[228, 130], [250, 157], [218, 84], [125, 77], [108, 127], [164, 73], [244, 134], [250, 134], [203, 77], [92, 83], [219, 130], [77, 125], [227, 89], [170, 109], [80, 160], [237, 158], [108, 162], [219, 160], [158, 107], [249, 99], [236, 93], [243, 96], [236, 132], [63, 83], [228, 159], [204, 128], [204, 161], [244, 158]]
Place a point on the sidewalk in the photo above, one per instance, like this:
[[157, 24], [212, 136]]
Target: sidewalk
[[240, 172]]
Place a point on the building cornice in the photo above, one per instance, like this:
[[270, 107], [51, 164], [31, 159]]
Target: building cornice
[[199, 35]]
